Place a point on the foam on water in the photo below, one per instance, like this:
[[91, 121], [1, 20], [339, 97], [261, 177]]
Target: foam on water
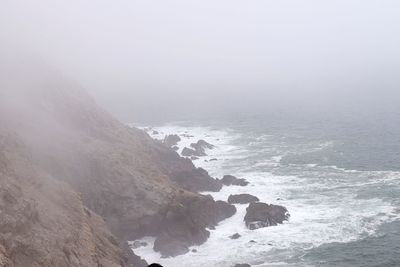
[[323, 202]]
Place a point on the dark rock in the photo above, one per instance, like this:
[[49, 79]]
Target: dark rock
[[170, 247], [175, 148], [188, 152], [205, 144], [155, 132], [232, 180], [171, 140], [242, 265], [252, 241], [242, 199], [201, 146], [213, 159], [235, 236], [194, 158], [194, 250], [184, 223], [260, 215], [197, 180], [133, 259]]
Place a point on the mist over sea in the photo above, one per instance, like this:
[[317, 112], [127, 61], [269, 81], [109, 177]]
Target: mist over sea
[[339, 177]]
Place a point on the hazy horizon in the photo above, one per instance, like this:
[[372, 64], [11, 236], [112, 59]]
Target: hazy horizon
[[180, 59]]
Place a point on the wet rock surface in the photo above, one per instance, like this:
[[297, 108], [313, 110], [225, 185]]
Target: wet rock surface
[[260, 215], [197, 180], [232, 180], [235, 236], [171, 140], [185, 221], [242, 199]]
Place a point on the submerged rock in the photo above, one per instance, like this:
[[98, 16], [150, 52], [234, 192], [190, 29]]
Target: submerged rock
[[242, 265], [235, 236], [242, 199], [232, 180], [260, 215]]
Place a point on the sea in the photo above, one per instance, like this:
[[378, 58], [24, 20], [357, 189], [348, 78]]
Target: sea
[[339, 178]]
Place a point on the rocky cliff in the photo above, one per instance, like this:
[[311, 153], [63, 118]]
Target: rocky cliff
[[131, 181], [42, 221]]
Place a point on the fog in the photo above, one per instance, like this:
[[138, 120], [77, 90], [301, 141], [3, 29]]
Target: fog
[[171, 60]]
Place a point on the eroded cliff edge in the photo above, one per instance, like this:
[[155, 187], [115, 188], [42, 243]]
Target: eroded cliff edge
[[137, 185]]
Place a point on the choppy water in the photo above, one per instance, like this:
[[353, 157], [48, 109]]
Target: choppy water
[[340, 216]]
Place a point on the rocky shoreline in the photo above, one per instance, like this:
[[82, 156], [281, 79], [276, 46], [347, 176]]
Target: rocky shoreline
[[258, 214], [114, 183]]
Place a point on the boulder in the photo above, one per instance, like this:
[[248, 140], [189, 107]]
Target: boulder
[[259, 214], [171, 140], [201, 146], [242, 265], [188, 152], [242, 199], [232, 180], [235, 236]]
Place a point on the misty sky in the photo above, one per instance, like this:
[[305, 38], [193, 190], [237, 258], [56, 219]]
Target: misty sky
[[144, 59]]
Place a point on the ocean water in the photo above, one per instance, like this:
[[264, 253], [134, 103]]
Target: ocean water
[[339, 181]]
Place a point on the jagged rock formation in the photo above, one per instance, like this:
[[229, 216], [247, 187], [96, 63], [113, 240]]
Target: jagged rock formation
[[232, 180], [197, 180], [198, 213], [188, 152], [260, 215], [118, 172], [242, 199], [42, 221], [171, 140]]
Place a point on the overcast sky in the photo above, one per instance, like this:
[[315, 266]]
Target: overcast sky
[[145, 59]]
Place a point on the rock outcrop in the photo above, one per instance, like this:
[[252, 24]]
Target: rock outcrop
[[105, 168], [188, 152], [201, 146], [197, 180], [43, 222], [260, 215], [242, 199], [232, 180], [171, 140], [184, 223]]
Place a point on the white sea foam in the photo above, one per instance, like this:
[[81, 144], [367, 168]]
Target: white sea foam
[[323, 209]]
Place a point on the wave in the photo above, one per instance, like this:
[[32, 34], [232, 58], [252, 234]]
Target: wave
[[322, 200]]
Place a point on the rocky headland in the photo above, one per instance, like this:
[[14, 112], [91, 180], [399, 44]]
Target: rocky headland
[[76, 184]]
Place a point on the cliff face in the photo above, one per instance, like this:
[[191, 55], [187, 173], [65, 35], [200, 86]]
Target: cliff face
[[43, 222], [130, 180]]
